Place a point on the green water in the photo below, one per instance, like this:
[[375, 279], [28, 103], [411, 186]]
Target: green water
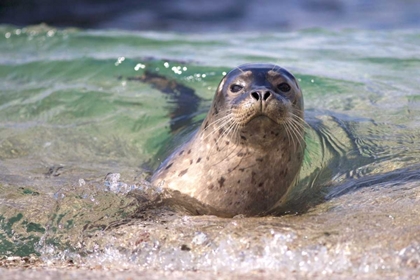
[[70, 114]]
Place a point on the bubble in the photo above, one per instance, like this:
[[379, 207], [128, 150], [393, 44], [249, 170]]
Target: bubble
[[177, 70], [51, 33], [139, 66], [82, 182], [200, 238], [119, 60]]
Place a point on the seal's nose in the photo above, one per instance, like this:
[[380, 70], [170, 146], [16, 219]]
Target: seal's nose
[[260, 95]]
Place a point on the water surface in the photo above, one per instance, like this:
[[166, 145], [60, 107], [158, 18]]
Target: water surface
[[72, 111]]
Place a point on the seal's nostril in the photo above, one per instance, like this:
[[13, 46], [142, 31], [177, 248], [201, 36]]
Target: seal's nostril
[[266, 95], [255, 95]]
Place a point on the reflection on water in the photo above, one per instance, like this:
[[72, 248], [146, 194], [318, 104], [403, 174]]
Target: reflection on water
[[80, 134]]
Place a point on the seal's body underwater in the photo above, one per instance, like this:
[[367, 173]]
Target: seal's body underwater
[[248, 151]]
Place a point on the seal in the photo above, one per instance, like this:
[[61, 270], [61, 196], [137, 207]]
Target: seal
[[248, 151]]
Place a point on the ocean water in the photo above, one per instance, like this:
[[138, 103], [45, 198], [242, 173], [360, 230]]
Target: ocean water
[[81, 130]]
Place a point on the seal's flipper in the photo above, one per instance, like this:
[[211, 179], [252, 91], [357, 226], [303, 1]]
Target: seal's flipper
[[184, 99]]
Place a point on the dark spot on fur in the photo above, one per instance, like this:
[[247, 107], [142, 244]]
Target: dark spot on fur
[[261, 184], [239, 181], [243, 137], [264, 136], [169, 166], [182, 173], [242, 169], [277, 134], [216, 111], [284, 172], [227, 142], [207, 158], [181, 152], [211, 187], [240, 154], [189, 151], [191, 161], [221, 182], [253, 177], [206, 125], [198, 160], [259, 159]]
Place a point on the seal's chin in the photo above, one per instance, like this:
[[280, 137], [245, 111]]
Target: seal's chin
[[262, 119]]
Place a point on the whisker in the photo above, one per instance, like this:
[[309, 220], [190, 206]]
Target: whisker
[[240, 69], [234, 133], [216, 126], [296, 130], [299, 124], [292, 135], [288, 132], [226, 132], [229, 126], [274, 67], [218, 120], [299, 118], [217, 129]]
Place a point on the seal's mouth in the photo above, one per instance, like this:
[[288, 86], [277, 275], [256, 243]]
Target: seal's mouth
[[273, 111], [261, 117]]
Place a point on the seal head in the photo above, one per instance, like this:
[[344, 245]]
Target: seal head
[[249, 149]]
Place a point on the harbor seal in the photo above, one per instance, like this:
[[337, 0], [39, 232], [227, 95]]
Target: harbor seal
[[249, 149]]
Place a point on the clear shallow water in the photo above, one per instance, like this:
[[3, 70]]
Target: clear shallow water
[[70, 113]]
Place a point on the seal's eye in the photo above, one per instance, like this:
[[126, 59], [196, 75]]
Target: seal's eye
[[284, 87], [236, 88]]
